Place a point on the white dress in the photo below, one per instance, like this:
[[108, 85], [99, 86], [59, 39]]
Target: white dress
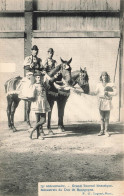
[[40, 105], [104, 102], [26, 89]]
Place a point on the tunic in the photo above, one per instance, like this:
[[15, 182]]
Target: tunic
[[40, 105], [49, 64], [104, 102], [37, 63]]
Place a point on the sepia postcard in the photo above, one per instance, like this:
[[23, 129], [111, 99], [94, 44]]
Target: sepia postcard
[[61, 97]]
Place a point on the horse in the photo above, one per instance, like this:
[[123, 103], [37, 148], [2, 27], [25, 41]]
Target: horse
[[53, 94], [61, 96]]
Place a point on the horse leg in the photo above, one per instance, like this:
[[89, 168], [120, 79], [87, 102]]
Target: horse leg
[[61, 102], [51, 102], [9, 104], [28, 109], [13, 109]]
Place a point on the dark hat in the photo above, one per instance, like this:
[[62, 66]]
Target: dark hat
[[37, 73], [29, 73], [104, 73], [51, 50], [35, 48]]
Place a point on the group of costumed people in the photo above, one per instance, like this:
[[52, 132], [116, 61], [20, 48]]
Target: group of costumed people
[[37, 80], [33, 87]]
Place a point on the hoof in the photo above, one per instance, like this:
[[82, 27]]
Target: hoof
[[29, 126], [31, 136], [14, 129], [107, 133], [10, 127], [40, 138], [31, 133], [50, 132], [101, 133], [61, 128]]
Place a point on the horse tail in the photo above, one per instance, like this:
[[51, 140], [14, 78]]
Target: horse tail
[[11, 84]]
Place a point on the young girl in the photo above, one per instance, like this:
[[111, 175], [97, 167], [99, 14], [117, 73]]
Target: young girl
[[105, 90], [40, 105]]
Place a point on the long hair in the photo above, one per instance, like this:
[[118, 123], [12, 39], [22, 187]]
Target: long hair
[[108, 77]]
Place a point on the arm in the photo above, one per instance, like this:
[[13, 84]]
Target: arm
[[27, 61], [55, 63], [45, 65], [95, 92], [28, 64], [113, 93]]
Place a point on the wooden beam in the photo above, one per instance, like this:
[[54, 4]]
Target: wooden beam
[[85, 34], [18, 34], [28, 27], [28, 33], [121, 64], [110, 13], [12, 12]]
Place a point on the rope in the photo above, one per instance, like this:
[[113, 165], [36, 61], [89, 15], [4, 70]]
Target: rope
[[117, 61]]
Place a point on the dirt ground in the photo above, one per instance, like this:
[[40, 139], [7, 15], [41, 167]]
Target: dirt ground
[[78, 154]]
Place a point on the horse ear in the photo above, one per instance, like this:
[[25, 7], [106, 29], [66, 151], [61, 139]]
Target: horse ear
[[85, 68], [81, 69], [62, 60], [69, 61]]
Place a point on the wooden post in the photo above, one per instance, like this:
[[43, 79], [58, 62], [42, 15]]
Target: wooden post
[[28, 27], [121, 67], [28, 31]]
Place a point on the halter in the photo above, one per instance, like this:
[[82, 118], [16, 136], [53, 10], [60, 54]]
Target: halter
[[82, 80]]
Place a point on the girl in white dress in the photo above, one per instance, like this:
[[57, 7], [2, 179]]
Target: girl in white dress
[[105, 90]]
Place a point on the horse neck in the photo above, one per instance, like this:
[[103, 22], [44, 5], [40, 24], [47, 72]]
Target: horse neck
[[66, 75], [74, 77]]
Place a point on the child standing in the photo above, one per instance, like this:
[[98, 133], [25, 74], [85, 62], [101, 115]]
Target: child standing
[[105, 90], [40, 105]]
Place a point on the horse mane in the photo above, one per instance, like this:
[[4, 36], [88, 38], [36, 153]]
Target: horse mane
[[55, 70], [12, 83], [75, 74]]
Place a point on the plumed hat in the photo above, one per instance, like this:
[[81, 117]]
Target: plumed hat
[[104, 73], [51, 50], [29, 73], [34, 48], [37, 73]]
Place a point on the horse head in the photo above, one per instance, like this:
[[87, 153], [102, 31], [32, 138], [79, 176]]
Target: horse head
[[66, 70], [83, 80]]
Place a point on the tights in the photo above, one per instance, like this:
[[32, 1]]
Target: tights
[[40, 120]]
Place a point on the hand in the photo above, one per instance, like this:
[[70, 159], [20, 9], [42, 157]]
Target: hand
[[106, 93], [57, 86], [56, 75], [31, 65]]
